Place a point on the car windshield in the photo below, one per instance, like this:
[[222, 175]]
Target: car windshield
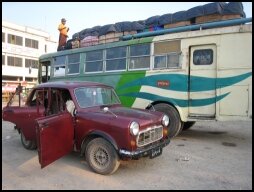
[[95, 96]]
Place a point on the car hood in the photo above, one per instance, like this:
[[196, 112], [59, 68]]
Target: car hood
[[143, 117], [134, 113]]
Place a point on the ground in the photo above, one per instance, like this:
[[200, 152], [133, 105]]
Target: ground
[[210, 155]]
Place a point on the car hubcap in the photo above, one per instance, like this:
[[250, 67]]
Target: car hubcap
[[101, 157]]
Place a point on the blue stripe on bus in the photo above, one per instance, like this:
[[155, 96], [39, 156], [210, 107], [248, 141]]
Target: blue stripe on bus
[[179, 102], [178, 82]]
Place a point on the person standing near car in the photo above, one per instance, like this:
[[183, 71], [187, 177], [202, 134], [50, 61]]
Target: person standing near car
[[63, 29]]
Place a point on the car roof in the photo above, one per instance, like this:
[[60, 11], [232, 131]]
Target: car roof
[[71, 84]]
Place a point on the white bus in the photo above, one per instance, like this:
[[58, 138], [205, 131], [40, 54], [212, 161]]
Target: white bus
[[192, 76]]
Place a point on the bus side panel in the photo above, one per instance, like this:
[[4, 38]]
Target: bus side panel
[[234, 105], [235, 61]]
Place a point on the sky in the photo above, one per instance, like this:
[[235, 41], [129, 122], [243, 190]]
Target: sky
[[47, 16]]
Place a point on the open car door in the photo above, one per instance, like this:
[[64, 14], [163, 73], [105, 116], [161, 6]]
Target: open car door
[[55, 137]]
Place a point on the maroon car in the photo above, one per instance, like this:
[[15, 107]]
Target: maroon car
[[98, 126]]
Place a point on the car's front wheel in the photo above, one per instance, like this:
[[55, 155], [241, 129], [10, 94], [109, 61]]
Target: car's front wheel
[[27, 143], [101, 156]]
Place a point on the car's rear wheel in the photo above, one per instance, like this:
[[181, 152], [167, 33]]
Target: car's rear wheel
[[27, 143], [101, 156]]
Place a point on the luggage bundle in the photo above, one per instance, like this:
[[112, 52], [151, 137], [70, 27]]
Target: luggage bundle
[[89, 41]]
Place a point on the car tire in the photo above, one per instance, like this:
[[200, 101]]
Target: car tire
[[30, 145], [101, 156], [175, 123], [188, 124]]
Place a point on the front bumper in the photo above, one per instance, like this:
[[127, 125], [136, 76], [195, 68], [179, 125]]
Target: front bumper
[[143, 152]]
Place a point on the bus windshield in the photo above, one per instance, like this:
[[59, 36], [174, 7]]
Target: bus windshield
[[95, 96]]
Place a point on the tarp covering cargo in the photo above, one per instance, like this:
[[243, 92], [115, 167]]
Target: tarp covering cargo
[[128, 26], [107, 29], [89, 32], [207, 9], [233, 8], [152, 21], [190, 16]]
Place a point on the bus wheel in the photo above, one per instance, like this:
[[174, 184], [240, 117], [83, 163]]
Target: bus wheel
[[101, 156], [175, 123], [27, 143], [188, 124]]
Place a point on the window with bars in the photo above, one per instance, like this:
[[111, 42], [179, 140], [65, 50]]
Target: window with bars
[[31, 43], [14, 61], [139, 57], [31, 63], [116, 59], [14, 39], [94, 61], [167, 54], [73, 63]]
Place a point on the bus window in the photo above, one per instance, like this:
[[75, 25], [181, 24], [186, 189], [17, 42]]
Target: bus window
[[94, 61], [160, 62], [173, 60], [116, 59], [44, 72], [73, 63], [166, 47], [139, 56], [166, 54], [203, 57], [166, 61], [59, 65]]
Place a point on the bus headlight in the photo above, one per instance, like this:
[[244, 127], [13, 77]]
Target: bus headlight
[[165, 120], [134, 128]]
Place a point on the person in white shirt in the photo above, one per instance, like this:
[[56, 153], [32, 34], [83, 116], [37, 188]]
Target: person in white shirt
[[70, 107]]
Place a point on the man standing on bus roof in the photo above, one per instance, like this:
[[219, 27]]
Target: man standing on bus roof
[[63, 34]]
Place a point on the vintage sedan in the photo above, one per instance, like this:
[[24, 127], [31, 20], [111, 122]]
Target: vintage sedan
[[98, 126]]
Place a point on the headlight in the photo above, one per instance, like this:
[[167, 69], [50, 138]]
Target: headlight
[[165, 120], [134, 128]]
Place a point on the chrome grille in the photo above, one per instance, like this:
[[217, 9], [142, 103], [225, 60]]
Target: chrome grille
[[149, 135]]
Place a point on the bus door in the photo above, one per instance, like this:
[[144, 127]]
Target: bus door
[[202, 81]]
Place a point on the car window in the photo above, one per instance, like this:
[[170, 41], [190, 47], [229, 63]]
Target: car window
[[95, 96], [57, 101], [42, 98]]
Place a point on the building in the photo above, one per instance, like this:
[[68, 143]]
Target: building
[[21, 48]]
